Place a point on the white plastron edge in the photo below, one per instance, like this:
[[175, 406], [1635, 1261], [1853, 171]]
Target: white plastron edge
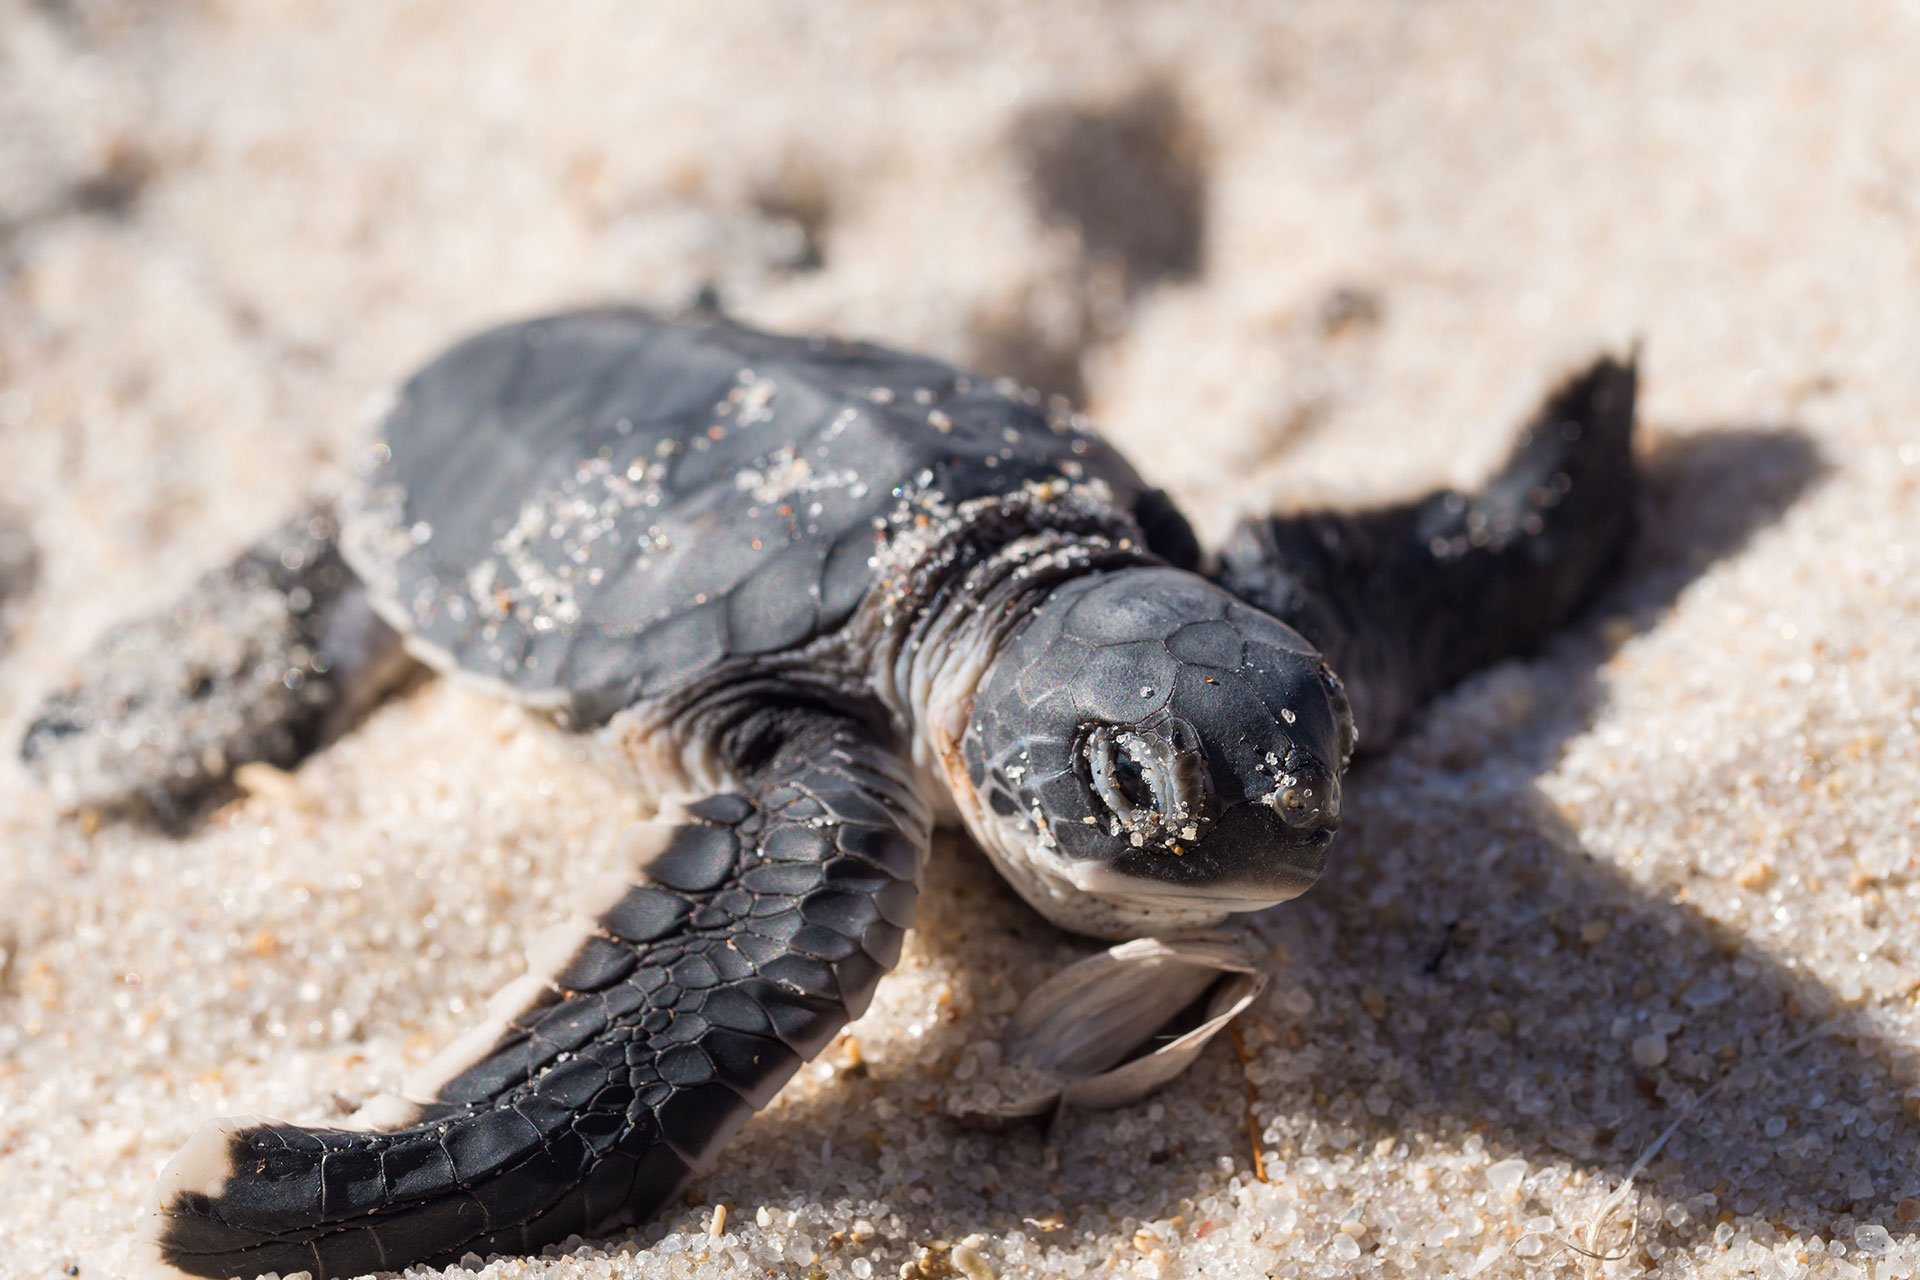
[[1069, 1042]]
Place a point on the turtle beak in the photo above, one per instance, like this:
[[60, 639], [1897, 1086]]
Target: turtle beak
[[1259, 853]]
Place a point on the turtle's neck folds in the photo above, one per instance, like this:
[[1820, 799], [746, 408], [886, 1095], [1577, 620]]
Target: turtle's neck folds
[[959, 583]]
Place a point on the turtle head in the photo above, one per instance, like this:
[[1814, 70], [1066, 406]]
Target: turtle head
[[1148, 753]]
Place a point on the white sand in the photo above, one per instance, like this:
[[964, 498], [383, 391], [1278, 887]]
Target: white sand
[[1588, 889]]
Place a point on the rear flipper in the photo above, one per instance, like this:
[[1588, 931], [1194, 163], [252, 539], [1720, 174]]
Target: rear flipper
[[1405, 600], [264, 659], [635, 1046]]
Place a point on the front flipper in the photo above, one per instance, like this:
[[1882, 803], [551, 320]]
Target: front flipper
[[1405, 600], [761, 929], [263, 659]]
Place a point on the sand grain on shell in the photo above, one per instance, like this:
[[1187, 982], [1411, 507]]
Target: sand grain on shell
[[1665, 872]]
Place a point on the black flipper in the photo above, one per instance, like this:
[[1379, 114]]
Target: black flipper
[[1405, 600], [764, 925], [265, 659]]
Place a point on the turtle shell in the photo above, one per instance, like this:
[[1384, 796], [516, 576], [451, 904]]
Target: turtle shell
[[598, 508]]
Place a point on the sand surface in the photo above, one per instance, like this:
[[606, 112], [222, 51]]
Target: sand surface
[[1662, 879]]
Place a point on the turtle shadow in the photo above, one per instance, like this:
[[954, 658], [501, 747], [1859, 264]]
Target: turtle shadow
[[1475, 970], [1479, 972], [19, 569], [1469, 972], [1128, 182]]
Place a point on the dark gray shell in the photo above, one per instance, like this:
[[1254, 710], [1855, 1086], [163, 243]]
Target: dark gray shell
[[597, 508]]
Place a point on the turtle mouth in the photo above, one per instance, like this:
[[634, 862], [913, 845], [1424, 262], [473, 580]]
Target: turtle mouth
[[1253, 858], [1107, 882]]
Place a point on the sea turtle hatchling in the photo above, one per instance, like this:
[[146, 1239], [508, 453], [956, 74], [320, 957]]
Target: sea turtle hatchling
[[812, 597]]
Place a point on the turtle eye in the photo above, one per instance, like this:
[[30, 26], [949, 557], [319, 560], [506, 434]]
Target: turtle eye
[[1121, 771], [1151, 780]]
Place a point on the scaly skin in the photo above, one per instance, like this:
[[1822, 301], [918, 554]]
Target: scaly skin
[[760, 931]]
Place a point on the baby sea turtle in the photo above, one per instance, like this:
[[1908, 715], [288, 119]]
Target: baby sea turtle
[[813, 597]]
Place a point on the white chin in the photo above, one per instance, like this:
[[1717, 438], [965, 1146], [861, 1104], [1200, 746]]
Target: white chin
[[1101, 881], [1090, 898], [1132, 916]]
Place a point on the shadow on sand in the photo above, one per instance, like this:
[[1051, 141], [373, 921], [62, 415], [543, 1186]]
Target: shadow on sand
[[1479, 971], [1472, 970]]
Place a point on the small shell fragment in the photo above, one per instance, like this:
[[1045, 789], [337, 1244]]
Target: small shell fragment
[[1072, 1040]]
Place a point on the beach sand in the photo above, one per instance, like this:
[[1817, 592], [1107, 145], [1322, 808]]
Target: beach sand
[[1660, 882]]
